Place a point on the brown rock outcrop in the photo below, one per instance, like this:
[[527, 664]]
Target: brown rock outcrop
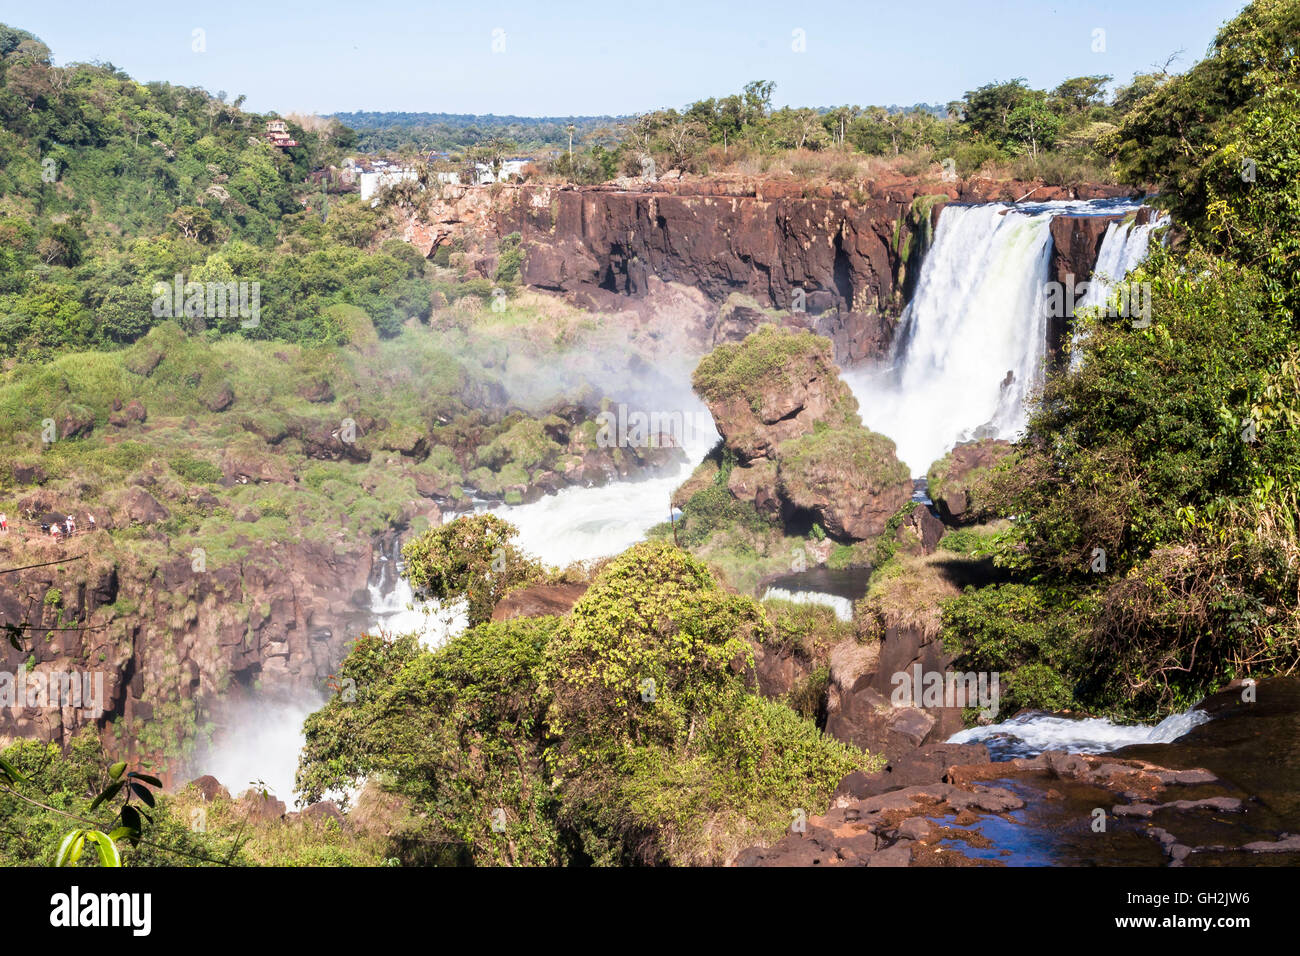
[[955, 479], [538, 600], [782, 409]]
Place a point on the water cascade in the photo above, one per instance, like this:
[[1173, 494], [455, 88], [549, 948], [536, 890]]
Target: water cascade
[[1033, 733], [1122, 250], [971, 343]]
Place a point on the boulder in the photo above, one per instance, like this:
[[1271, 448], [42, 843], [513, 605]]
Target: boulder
[[74, 422], [133, 413], [774, 386], [779, 403], [849, 478], [317, 390], [210, 787], [954, 481], [538, 600], [141, 507], [220, 398]]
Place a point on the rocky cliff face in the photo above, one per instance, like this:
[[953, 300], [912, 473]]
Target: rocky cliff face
[[838, 259], [165, 643]]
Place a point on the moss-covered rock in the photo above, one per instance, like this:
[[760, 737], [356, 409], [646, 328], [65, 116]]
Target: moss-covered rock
[[773, 386], [848, 476], [958, 481]]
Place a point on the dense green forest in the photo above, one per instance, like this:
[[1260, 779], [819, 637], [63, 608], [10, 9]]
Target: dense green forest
[[379, 132]]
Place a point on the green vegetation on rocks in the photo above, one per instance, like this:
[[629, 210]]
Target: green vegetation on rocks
[[620, 733]]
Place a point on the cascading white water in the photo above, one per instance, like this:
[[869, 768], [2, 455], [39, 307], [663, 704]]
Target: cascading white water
[[971, 343], [1123, 249], [579, 524], [1034, 733], [842, 606]]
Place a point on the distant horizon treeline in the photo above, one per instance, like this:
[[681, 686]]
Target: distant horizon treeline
[[379, 130]]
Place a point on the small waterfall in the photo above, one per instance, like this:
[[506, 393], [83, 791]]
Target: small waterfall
[[842, 606], [1033, 733], [398, 611], [971, 343], [1123, 249]]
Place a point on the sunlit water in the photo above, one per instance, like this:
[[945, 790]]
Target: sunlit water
[[1029, 734], [971, 343]]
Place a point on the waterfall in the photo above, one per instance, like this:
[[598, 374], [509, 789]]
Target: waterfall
[[397, 611], [1123, 248], [1033, 733], [971, 343]]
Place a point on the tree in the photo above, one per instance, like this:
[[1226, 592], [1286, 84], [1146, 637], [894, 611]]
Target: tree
[[194, 222], [757, 99], [682, 139], [472, 558], [1032, 122], [840, 118], [1142, 85], [493, 152], [799, 129], [1080, 93], [988, 109]]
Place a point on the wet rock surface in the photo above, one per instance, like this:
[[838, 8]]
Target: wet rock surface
[[1222, 794]]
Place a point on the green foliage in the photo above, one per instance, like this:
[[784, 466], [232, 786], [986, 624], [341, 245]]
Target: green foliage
[[475, 718], [472, 558], [1193, 136], [713, 508], [197, 470], [510, 259], [1029, 635], [540, 740]]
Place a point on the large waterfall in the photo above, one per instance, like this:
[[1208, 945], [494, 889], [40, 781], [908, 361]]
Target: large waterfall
[[972, 341]]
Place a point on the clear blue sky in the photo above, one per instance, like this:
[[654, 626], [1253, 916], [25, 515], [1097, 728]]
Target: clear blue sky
[[564, 57]]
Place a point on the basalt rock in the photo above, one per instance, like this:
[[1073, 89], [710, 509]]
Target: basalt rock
[[841, 256], [955, 481], [1076, 243], [782, 409], [865, 706], [180, 628], [140, 507], [538, 600]]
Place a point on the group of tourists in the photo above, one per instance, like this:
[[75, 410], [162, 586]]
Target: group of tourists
[[52, 525]]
